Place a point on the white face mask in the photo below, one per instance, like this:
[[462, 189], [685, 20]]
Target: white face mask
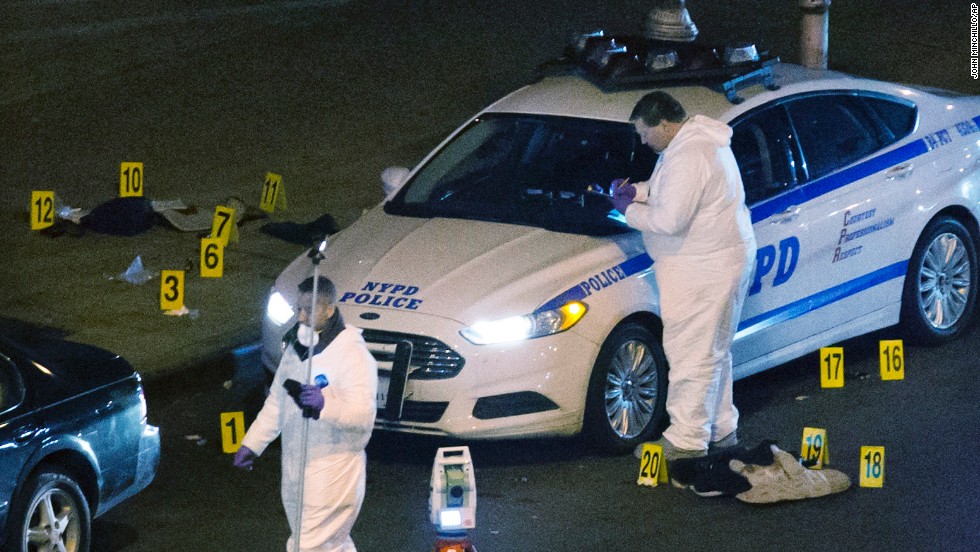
[[306, 336]]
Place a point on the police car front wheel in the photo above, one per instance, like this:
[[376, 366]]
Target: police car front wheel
[[627, 390]]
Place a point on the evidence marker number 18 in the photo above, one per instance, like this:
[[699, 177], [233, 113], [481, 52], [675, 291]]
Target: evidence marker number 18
[[872, 466]]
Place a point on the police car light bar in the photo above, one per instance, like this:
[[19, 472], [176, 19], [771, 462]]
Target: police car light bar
[[627, 61]]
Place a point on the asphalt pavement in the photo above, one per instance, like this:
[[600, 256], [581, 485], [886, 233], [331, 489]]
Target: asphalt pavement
[[557, 494]]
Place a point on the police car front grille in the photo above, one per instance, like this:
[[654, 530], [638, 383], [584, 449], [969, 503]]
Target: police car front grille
[[418, 411], [431, 358]]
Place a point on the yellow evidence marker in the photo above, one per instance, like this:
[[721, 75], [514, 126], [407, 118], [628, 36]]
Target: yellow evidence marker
[[273, 193], [212, 258], [130, 179], [171, 289], [232, 431], [872, 467], [653, 466], [42, 209], [832, 367], [892, 354], [223, 225], [814, 451]]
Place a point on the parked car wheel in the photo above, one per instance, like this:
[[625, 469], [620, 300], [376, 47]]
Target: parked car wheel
[[941, 284], [628, 389], [53, 514]]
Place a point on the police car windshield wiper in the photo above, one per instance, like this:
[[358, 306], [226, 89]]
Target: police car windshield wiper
[[480, 216]]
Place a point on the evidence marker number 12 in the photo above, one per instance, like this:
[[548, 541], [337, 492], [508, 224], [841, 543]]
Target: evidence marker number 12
[[42, 209]]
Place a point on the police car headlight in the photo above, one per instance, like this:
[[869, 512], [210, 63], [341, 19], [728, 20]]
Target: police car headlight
[[529, 326], [278, 309]]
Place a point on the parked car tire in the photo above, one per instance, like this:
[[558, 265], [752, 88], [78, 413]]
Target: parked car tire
[[47, 494], [627, 391], [940, 293]]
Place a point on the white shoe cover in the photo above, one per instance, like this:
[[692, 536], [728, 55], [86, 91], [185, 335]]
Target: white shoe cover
[[786, 479]]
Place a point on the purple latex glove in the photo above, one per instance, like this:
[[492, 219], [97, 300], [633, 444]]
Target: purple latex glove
[[311, 399], [623, 194], [244, 458]]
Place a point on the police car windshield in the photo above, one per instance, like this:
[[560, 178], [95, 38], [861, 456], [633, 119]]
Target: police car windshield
[[530, 170]]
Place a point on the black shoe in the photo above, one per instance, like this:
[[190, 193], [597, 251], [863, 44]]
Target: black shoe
[[717, 479], [711, 475], [726, 442]]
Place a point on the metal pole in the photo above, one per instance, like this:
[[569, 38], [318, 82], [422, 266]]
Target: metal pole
[[813, 33], [316, 258]]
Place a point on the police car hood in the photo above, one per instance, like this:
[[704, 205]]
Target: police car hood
[[463, 270]]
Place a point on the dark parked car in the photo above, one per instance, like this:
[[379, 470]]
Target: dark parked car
[[74, 441]]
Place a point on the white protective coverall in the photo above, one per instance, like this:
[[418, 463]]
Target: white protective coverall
[[698, 231], [335, 462]]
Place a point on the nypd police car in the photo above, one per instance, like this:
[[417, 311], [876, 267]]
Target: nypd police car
[[504, 297]]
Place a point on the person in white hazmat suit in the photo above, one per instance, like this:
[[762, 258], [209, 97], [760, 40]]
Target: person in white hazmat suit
[[698, 231], [341, 409]]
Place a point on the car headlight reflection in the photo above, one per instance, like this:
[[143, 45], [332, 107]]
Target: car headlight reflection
[[279, 310], [529, 326]]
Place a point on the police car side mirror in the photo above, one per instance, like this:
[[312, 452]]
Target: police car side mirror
[[392, 179]]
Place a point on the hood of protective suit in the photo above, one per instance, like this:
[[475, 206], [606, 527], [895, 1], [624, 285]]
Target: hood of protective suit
[[700, 128]]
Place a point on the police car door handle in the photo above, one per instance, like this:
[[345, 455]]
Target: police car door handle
[[899, 171], [789, 215]]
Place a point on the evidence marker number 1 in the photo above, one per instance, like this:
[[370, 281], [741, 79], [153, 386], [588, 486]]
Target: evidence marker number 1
[[232, 431]]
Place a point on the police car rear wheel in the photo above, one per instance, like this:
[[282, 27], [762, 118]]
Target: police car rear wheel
[[941, 284], [627, 391]]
